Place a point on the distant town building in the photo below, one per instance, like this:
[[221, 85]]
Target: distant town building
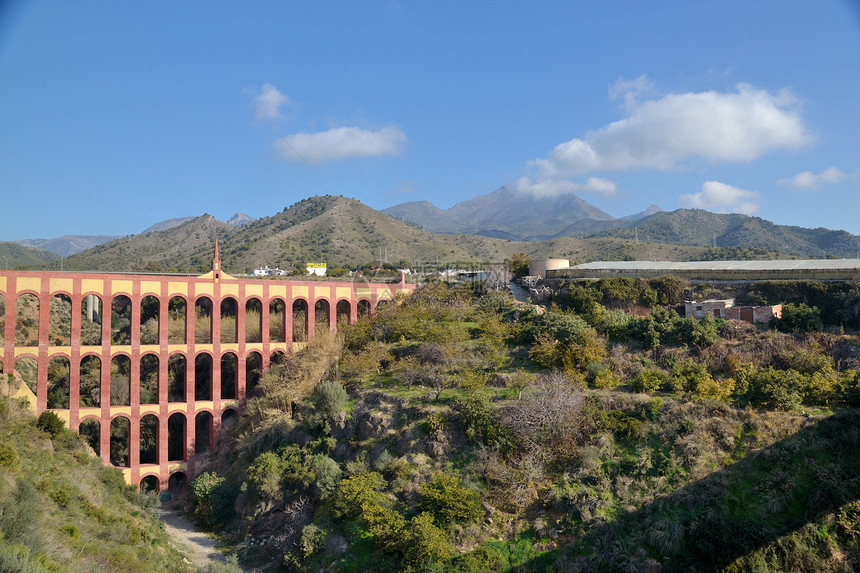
[[316, 269], [727, 310], [265, 271]]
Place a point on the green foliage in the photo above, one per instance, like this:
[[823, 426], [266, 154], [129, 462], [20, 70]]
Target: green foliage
[[650, 380], [701, 333], [669, 288], [519, 264], [329, 399], [562, 341], [687, 375], [9, 461], [328, 475], [312, 540], [798, 318], [213, 500], [714, 389], [423, 542], [775, 389], [51, 423], [605, 379], [357, 491], [482, 426], [448, 501]]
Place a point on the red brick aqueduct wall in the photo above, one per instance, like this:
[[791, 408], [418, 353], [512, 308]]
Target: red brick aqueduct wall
[[188, 414]]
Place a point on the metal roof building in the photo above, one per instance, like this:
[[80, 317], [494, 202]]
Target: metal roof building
[[816, 269]]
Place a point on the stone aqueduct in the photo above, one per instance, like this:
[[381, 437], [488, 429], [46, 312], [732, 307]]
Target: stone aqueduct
[[154, 389]]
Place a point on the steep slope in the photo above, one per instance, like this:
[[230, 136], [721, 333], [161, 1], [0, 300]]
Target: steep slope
[[505, 212], [167, 224], [427, 216], [63, 510], [14, 256], [651, 210], [187, 247], [703, 228]]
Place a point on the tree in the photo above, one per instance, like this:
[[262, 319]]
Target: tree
[[799, 318], [448, 501], [519, 264]]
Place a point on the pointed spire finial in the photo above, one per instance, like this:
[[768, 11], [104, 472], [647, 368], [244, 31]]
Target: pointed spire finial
[[216, 262]]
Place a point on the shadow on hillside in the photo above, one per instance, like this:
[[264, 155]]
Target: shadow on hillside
[[710, 523]]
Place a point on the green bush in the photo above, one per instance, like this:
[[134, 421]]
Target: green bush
[[8, 458], [329, 399], [775, 389], [448, 501], [798, 318], [650, 380], [214, 500], [51, 423], [312, 540], [357, 491], [328, 475], [265, 476]]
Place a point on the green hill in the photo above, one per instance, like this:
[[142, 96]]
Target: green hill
[[703, 228], [13, 256]]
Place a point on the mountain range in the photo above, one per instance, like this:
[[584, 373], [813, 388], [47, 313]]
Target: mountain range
[[510, 214], [72, 244], [489, 228]]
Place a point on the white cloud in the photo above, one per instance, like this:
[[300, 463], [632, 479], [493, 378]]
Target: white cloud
[[809, 180], [268, 103], [342, 143], [722, 198], [662, 133], [548, 187]]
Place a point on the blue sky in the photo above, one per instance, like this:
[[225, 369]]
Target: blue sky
[[116, 115]]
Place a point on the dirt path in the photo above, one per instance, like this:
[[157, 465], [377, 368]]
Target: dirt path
[[520, 294], [198, 547]]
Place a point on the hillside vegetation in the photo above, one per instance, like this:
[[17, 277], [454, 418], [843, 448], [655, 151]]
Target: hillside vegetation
[[62, 510], [342, 233], [458, 431], [17, 256], [703, 228]]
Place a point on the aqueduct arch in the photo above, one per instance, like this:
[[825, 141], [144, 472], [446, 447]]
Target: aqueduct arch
[[117, 358]]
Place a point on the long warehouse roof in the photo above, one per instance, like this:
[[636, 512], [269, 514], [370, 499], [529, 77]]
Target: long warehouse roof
[[778, 265]]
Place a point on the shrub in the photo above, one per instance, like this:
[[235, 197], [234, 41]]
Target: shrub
[[51, 423], [329, 399], [687, 375], [448, 501], [8, 458], [551, 418], [709, 387], [357, 491], [775, 389], [482, 425], [214, 500], [328, 476], [312, 540], [820, 389], [605, 379], [650, 380], [798, 318], [423, 542], [265, 476]]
